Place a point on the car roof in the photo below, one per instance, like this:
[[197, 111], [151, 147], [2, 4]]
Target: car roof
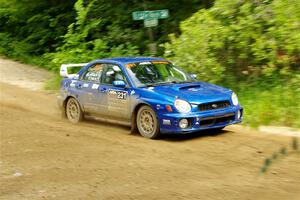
[[123, 60]]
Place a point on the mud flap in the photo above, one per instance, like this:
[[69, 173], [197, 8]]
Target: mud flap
[[133, 127]]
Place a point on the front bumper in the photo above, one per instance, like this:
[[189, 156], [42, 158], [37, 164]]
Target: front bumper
[[202, 120]]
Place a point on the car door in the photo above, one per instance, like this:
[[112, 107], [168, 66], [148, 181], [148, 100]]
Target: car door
[[88, 84], [116, 99]]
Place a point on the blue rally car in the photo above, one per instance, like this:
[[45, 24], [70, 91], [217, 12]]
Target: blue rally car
[[150, 94]]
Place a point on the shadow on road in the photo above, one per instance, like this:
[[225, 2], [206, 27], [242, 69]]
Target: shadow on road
[[99, 123], [191, 136], [165, 137]]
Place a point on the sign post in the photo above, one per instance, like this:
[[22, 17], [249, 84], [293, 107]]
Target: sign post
[[150, 18]]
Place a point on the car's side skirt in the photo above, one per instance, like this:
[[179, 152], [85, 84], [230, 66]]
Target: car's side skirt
[[109, 120]]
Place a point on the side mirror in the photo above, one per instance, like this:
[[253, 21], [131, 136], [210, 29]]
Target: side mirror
[[193, 76], [119, 83]]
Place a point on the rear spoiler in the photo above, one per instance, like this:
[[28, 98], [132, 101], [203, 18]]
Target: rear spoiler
[[64, 69]]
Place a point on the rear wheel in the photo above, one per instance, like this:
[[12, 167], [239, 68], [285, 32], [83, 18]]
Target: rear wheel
[[147, 122], [73, 111]]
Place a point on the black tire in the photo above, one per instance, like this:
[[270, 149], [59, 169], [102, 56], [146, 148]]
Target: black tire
[[147, 123], [73, 110]]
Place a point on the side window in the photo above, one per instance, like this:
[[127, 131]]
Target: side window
[[112, 73], [93, 73]]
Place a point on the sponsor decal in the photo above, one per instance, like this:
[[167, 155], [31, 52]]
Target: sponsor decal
[[118, 82], [95, 86], [85, 85], [116, 68], [117, 94], [160, 62], [129, 65], [73, 83], [145, 63], [117, 102]]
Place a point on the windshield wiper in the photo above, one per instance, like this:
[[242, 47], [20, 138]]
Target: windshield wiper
[[166, 83], [149, 85], [156, 84], [178, 82]]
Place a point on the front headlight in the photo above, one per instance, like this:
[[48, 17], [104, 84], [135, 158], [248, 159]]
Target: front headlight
[[234, 99], [182, 106]]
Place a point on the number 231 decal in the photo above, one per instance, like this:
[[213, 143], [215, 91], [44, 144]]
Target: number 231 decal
[[117, 94]]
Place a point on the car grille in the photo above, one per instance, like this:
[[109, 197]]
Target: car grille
[[213, 105], [217, 120]]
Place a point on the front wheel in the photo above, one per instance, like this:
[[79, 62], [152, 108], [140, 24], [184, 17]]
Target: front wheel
[[147, 122], [73, 111]]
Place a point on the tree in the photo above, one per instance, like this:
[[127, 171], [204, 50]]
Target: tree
[[240, 39]]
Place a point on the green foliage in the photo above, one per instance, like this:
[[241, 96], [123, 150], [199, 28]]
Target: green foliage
[[53, 83], [36, 24], [31, 28], [196, 47], [80, 46], [270, 104], [240, 40], [83, 30]]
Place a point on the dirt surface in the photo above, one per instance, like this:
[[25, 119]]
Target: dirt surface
[[46, 157], [22, 75]]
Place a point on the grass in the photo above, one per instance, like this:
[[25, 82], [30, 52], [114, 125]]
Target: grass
[[278, 106], [53, 83]]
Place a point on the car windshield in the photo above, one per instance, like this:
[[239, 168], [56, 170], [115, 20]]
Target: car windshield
[[155, 73]]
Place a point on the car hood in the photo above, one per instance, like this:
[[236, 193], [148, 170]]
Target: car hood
[[195, 92]]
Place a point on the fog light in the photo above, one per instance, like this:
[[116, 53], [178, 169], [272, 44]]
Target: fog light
[[183, 123]]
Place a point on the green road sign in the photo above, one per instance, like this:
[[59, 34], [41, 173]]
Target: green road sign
[[150, 18], [150, 14], [150, 22]]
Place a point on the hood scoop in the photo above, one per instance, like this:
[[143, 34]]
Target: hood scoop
[[190, 87]]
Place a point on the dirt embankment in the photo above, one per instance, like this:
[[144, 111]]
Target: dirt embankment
[[45, 157]]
